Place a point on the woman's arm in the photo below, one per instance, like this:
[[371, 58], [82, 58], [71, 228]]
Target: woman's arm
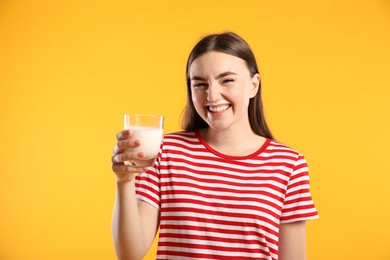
[[292, 241], [134, 223]]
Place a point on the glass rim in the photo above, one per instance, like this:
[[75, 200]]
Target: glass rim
[[144, 115]]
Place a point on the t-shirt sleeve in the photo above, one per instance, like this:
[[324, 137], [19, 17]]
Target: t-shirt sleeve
[[147, 185], [298, 204]]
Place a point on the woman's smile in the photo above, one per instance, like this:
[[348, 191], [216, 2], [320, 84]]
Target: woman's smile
[[219, 108]]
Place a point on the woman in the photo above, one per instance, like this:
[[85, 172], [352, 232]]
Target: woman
[[223, 188]]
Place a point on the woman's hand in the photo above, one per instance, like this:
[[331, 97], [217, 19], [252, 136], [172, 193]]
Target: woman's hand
[[123, 170]]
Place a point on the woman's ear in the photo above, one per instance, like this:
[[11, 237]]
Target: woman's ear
[[255, 85]]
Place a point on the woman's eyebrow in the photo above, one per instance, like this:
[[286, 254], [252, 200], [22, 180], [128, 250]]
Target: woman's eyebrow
[[223, 74], [197, 78]]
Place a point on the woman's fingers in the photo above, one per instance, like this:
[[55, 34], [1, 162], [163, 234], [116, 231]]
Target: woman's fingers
[[121, 158], [123, 169], [126, 156], [122, 135], [117, 158], [124, 142], [121, 154], [128, 143]]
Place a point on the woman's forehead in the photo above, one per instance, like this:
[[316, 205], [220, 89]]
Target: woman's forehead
[[217, 62]]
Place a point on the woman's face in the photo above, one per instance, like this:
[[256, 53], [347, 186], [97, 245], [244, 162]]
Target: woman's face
[[221, 87]]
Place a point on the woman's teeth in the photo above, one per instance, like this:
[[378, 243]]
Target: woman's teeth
[[218, 108]]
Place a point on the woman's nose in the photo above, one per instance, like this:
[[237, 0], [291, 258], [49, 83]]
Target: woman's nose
[[213, 93]]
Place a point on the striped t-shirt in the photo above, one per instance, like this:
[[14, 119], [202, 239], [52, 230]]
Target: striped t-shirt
[[216, 206]]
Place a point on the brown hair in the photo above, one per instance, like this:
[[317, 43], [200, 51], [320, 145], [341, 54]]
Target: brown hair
[[229, 43]]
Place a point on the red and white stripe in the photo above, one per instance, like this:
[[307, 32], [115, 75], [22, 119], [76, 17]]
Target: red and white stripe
[[215, 206]]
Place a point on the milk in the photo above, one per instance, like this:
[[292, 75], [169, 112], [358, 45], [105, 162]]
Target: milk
[[150, 139]]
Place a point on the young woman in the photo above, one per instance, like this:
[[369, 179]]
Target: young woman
[[223, 188]]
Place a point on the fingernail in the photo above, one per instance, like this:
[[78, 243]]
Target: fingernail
[[136, 142], [141, 155]]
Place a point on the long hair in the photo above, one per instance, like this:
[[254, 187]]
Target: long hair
[[232, 44]]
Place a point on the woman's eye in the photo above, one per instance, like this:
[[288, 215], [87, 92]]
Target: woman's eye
[[228, 80], [199, 84]]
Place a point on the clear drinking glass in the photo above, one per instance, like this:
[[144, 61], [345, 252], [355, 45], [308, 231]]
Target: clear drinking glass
[[149, 130]]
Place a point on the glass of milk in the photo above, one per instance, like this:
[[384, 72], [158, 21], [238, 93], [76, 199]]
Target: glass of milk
[[149, 130]]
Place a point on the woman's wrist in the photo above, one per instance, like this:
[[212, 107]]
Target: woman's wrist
[[125, 179], [125, 184]]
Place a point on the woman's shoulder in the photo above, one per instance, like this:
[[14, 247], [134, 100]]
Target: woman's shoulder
[[279, 147]]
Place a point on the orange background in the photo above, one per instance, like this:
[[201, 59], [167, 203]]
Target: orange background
[[69, 70]]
